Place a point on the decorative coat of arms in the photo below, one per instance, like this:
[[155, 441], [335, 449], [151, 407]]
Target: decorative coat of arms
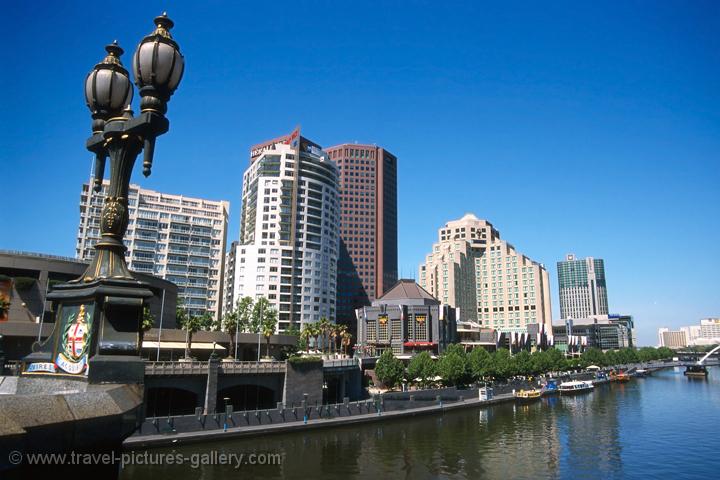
[[74, 341]]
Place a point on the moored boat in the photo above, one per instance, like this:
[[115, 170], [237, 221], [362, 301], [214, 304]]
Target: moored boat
[[575, 386], [620, 376], [696, 371], [550, 387], [528, 395]]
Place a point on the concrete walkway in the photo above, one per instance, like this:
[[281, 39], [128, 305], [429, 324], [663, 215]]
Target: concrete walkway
[[235, 432]]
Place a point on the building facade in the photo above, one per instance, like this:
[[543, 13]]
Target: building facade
[[582, 287], [289, 231], [485, 278], [367, 265], [600, 331], [406, 320], [672, 338], [178, 238]]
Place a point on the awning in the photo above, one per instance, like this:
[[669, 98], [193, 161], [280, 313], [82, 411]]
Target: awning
[[181, 345], [419, 344]]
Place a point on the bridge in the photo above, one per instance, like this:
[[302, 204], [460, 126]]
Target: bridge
[[174, 388]]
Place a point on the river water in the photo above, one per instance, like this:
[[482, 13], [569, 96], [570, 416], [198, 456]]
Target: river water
[[660, 427]]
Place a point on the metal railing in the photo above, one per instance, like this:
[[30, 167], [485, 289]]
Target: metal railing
[[201, 368], [176, 368], [252, 367], [340, 362]]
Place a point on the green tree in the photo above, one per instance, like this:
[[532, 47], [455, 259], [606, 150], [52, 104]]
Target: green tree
[[195, 323], [479, 363], [346, 341], [305, 334], [611, 358], [592, 356], [267, 327], [542, 363], [557, 360], [452, 367], [238, 319], [258, 315], [647, 354], [524, 364], [148, 319], [389, 369], [502, 364], [422, 369], [324, 325], [665, 353], [628, 355]]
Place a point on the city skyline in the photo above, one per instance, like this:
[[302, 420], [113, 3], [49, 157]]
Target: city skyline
[[534, 112]]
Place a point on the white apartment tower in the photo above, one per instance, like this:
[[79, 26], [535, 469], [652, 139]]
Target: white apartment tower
[[178, 238], [491, 283], [288, 247]]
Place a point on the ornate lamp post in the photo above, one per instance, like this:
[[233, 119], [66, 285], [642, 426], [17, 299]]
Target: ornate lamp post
[[97, 330]]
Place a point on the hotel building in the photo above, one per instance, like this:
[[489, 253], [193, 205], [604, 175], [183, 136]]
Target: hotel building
[[367, 266], [178, 238], [672, 338], [583, 292], [472, 269], [288, 246]]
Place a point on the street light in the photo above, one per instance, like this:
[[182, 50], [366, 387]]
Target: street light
[[107, 291], [158, 67]]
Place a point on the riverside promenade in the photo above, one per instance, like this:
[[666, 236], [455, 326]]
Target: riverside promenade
[[375, 413], [173, 430]]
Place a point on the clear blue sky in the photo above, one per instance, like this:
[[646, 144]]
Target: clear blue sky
[[585, 127]]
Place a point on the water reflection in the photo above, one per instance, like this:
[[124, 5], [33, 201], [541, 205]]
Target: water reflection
[[616, 431]]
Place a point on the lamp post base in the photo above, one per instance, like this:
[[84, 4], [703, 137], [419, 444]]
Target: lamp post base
[[97, 334]]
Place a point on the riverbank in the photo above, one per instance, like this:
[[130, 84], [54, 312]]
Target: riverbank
[[662, 426], [144, 441], [185, 429]]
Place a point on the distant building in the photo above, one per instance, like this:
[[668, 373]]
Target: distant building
[[367, 266], [672, 338], [582, 287], [178, 238], [485, 278], [288, 246], [600, 331], [229, 279], [710, 328], [406, 320], [629, 323]]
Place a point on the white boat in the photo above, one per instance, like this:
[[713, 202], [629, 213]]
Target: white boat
[[576, 386]]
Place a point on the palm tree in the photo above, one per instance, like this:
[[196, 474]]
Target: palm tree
[[305, 335], [346, 339], [238, 320], [340, 330], [324, 326], [315, 333]]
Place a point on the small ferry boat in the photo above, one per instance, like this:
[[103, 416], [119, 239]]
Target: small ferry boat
[[640, 372], [620, 376], [576, 386], [528, 395], [551, 387], [696, 371]]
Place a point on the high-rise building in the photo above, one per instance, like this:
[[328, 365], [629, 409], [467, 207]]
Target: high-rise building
[[672, 338], [288, 247], [583, 292], [229, 278], [178, 238], [367, 266], [486, 278]]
